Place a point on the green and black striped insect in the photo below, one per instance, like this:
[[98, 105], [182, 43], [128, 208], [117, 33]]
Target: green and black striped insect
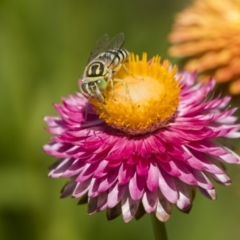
[[106, 58]]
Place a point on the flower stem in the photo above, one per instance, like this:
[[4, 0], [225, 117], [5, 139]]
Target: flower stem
[[159, 229]]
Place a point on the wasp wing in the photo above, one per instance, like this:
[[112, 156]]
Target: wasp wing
[[116, 43], [101, 45]]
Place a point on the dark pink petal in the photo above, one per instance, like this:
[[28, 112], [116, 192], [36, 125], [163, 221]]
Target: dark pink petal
[[56, 125], [152, 177], [184, 201], [207, 147], [199, 161], [128, 149], [102, 201], [144, 152], [222, 178], [129, 208], [231, 157], [209, 193], [93, 188], [101, 169], [154, 145], [202, 180], [163, 209], [114, 212], [174, 150], [162, 158], [61, 168], [68, 189], [96, 158], [136, 187], [92, 205], [187, 81], [81, 188], [171, 168], [143, 166], [94, 144], [107, 181], [58, 149], [117, 151], [185, 174], [87, 172], [225, 117], [126, 172], [218, 103], [188, 124], [74, 169], [150, 201], [167, 186], [116, 194]]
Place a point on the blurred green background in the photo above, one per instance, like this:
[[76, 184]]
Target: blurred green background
[[44, 46]]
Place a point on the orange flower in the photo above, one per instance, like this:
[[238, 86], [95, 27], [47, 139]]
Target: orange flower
[[206, 35]]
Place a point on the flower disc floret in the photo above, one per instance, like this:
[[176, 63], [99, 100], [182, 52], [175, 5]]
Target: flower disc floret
[[144, 97]]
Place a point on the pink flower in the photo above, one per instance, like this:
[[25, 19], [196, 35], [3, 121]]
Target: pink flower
[[175, 150]]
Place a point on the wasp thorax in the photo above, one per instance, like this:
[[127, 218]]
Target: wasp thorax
[[96, 69]]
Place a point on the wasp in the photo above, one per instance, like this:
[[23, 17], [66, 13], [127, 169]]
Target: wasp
[[106, 58]]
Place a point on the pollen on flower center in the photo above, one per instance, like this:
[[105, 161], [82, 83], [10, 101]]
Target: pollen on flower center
[[143, 97]]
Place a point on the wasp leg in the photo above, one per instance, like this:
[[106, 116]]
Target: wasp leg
[[124, 84], [104, 109], [88, 105], [86, 109], [112, 89]]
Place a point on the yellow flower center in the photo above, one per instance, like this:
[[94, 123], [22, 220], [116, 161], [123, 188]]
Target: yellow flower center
[[144, 96]]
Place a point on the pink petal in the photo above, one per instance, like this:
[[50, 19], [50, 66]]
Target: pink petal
[[163, 209], [136, 187], [129, 208], [152, 177], [149, 201], [116, 194], [125, 173], [167, 186], [81, 188]]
